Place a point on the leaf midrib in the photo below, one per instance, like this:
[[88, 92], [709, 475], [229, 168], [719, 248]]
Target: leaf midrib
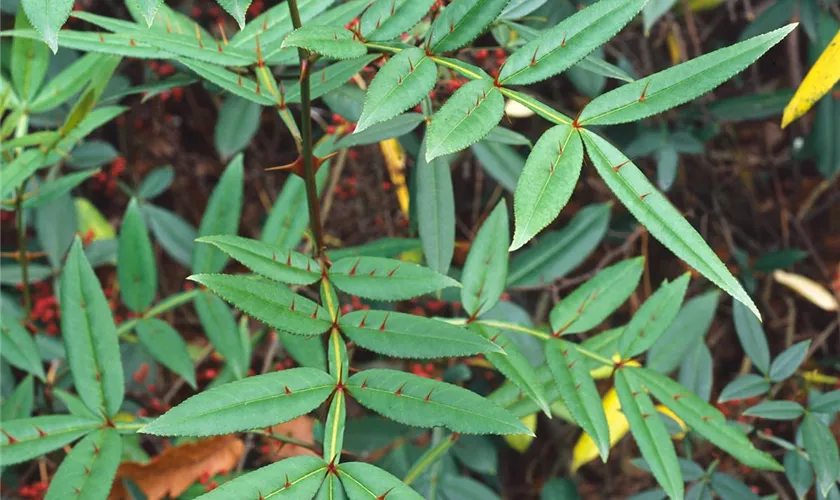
[[476, 7], [666, 226], [463, 119], [192, 416], [429, 337], [431, 402], [568, 41], [548, 179], [394, 88], [666, 88], [53, 433], [284, 488]]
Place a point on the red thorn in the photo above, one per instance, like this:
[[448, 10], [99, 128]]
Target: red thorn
[[95, 449], [219, 46], [289, 258], [399, 391], [41, 433], [362, 324], [410, 66], [645, 415], [572, 364], [563, 43], [288, 484], [364, 384], [534, 57], [642, 197], [239, 79], [260, 61], [428, 396], [393, 6], [353, 270], [292, 307], [382, 326], [618, 167], [87, 471], [382, 496], [391, 274], [286, 388], [315, 313], [11, 439], [132, 42], [644, 91], [451, 25], [101, 38]]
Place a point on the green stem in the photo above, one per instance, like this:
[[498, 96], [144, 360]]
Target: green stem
[[24, 260], [306, 139], [430, 457], [544, 336]]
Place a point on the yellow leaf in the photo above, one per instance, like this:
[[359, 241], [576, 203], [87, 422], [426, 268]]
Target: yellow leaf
[[701, 5], [815, 377], [91, 219], [585, 450], [521, 442], [807, 288], [673, 416], [674, 49], [820, 79], [415, 256], [395, 161]]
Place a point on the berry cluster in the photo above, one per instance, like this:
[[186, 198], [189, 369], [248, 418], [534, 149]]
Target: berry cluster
[[34, 491], [106, 180], [45, 307]]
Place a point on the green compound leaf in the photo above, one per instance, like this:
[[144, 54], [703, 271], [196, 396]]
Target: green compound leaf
[[388, 19], [29, 438], [237, 9], [89, 41], [514, 365], [293, 478], [220, 327], [407, 336], [684, 334], [679, 84], [232, 82], [19, 403], [568, 42], [470, 114], [167, 346], [136, 269], [363, 481], [558, 252], [193, 47], [285, 266], [828, 402], [413, 400], [461, 22], [329, 41], [435, 202], [650, 433], [578, 391], [331, 489], [486, 267], [788, 361], [661, 219], [752, 337], [745, 386], [89, 470], [268, 302], [547, 182], [402, 82], [250, 403], [395, 127], [653, 318], [704, 419], [90, 337], [19, 347], [220, 217], [47, 16], [149, 9], [821, 446], [334, 427], [592, 302], [776, 410], [379, 278]]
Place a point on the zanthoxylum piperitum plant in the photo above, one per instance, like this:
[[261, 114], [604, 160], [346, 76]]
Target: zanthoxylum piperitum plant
[[240, 66]]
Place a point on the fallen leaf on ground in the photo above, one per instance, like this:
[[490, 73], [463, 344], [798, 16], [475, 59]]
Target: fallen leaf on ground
[[807, 288], [173, 471]]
